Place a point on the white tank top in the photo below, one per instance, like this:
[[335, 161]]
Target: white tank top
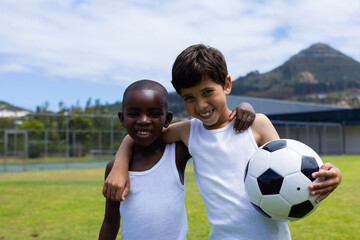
[[154, 207], [220, 157]]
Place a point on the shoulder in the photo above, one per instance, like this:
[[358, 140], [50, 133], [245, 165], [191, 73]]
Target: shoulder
[[183, 125], [263, 130], [178, 131], [261, 121]]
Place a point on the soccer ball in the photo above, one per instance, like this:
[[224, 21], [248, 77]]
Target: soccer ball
[[277, 178]]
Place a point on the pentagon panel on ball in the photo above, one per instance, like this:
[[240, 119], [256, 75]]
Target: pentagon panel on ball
[[277, 179]]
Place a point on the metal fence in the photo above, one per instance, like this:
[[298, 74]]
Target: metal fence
[[26, 149], [30, 146], [60, 141], [323, 138]]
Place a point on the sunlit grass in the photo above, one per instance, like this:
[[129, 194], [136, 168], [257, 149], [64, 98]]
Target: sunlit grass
[[68, 204]]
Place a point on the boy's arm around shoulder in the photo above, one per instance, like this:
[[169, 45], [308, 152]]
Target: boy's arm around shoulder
[[117, 183], [263, 130], [244, 115], [111, 223], [175, 132]]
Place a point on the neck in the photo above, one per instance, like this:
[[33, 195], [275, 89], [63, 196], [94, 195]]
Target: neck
[[223, 120], [155, 146], [145, 157]]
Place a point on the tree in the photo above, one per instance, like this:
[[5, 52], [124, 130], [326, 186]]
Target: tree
[[83, 138], [31, 124], [34, 150]]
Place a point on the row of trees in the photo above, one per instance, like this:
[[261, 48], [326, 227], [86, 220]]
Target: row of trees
[[74, 129]]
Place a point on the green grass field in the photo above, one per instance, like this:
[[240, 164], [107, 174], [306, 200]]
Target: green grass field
[[68, 204]]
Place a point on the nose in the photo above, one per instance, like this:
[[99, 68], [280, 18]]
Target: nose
[[143, 119], [201, 104]]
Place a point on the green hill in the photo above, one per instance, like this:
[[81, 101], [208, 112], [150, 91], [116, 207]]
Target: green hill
[[317, 74], [9, 107]]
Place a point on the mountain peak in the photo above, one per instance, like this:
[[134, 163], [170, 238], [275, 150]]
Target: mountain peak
[[320, 46], [319, 50], [6, 106], [319, 69]]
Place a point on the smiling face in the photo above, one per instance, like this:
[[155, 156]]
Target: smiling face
[[144, 116], [206, 101]]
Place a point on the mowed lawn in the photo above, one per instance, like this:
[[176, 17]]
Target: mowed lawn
[[68, 204]]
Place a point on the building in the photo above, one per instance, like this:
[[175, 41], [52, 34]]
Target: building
[[7, 110], [325, 128], [14, 114]]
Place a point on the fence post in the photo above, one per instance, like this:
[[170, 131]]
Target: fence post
[[111, 133], [46, 145], [26, 149], [5, 150], [325, 140], [67, 141], [74, 144]]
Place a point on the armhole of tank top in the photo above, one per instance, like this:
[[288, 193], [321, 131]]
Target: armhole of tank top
[[174, 168], [251, 135]]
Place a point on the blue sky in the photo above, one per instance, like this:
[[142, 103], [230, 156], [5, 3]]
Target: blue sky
[[70, 51]]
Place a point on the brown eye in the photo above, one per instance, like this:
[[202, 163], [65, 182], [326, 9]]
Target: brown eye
[[207, 92], [155, 114], [132, 114], [188, 99]]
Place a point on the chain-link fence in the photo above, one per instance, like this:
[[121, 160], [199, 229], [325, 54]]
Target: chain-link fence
[[45, 141], [324, 138]]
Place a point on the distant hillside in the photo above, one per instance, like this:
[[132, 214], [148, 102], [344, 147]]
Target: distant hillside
[[7, 106], [8, 110], [115, 107], [175, 105], [317, 74]]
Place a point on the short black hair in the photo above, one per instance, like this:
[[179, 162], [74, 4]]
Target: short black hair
[[146, 84], [197, 62]]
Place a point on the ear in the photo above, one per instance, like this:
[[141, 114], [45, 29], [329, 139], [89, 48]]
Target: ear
[[121, 117], [227, 87], [169, 117]]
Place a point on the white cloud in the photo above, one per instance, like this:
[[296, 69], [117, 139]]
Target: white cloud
[[12, 67], [122, 41]]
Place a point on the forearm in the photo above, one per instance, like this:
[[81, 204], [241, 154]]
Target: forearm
[[124, 154], [116, 185], [109, 231]]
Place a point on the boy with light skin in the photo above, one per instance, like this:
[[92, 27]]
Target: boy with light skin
[[220, 156]]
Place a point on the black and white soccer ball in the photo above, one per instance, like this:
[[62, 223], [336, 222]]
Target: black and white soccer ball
[[277, 179]]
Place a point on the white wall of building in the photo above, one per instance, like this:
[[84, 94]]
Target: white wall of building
[[7, 113], [325, 140], [352, 140]]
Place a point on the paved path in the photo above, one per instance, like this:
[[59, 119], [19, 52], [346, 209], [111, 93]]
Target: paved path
[[51, 166]]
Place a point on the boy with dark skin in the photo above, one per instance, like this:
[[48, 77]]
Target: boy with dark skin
[[153, 203], [220, 157], [145, 114]]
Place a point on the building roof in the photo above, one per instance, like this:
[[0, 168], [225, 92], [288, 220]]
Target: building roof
[[275, 106], [342, 116]]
